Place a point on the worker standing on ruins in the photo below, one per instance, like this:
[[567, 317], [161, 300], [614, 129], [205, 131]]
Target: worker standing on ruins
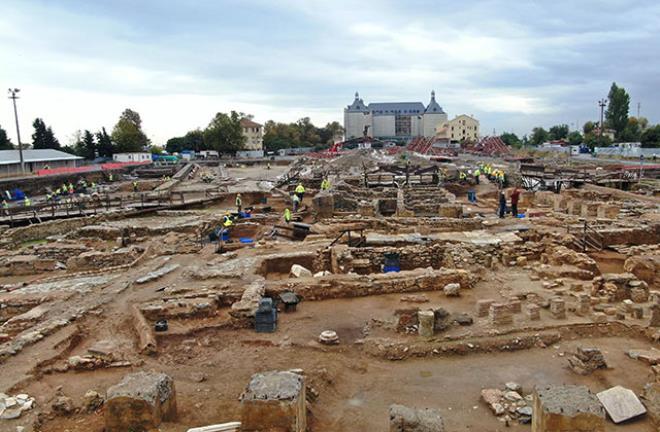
[[325, 184], [515, 196], [502, 209], [27, 202], [477, 173], [287, 215], [5, 207], [135, 186], [239, 202], [300, 191], [296, 202]]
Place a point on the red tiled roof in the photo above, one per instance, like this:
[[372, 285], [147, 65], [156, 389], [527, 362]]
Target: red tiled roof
[[249, 123]]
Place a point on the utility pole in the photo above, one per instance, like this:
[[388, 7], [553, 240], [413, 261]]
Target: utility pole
[[639, 107], [601, 103], [13, 97]]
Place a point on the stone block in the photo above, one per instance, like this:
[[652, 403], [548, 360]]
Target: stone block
[[140, 402], [558, 307], [274, 401], [500, 314], [560, 202], [533, 312], [298, 271], [515, 305], [574, 207], [590, 209], [651, 397], [366, 209], [655, 316], [404, 419], [426, 323], [621, 404], [452, 290], [608, 211], [599, 317], [324, 204], [483, 306], [584, 305], [567, 409], [450, 210]]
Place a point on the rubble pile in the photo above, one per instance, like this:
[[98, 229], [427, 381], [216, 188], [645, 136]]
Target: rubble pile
[[586, 360], [509, 403], [11, 407]]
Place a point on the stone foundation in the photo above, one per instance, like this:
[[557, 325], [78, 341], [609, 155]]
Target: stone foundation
[[567, 409], [274, 401], [140, 402], [351, 285], [404, 419]]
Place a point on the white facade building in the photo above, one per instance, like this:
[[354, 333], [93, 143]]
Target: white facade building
[[392, 119], [140, 157]]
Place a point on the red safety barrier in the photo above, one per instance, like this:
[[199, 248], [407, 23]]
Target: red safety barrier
[[87, 168], [67, 170], [117, 165]]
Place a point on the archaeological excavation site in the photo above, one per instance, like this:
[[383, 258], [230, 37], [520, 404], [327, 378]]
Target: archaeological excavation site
[[369, 290]]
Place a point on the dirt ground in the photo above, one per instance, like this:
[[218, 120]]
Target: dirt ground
[[211, 365]]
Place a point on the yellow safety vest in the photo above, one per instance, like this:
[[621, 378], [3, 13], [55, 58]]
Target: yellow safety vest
[[300, 189], [287, 215]]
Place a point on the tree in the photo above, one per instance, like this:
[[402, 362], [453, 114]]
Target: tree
[[330, 132], [617, 109], [539, 136], [43, 136], [574, 138], [87, 147], [651, 137], [193, 140], [593, 140], [279, 136], [589, 127], [632, 132], [127, 134], [511, 139], [558, 132], [154, 149], [104, 144], [5, 143], [224, 133]]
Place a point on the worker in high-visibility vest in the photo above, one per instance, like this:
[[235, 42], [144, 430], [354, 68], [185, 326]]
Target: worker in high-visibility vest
[[325, 184], [300, 191], [226, 221], [27, 202], [239, 202], [477, 173], [287, 215], [296, 202], [135, 186], [110, 177]]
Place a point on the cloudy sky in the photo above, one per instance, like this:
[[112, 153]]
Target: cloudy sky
[[512, 64]]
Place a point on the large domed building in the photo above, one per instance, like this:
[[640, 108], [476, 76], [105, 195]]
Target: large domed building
[[392, 120]]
